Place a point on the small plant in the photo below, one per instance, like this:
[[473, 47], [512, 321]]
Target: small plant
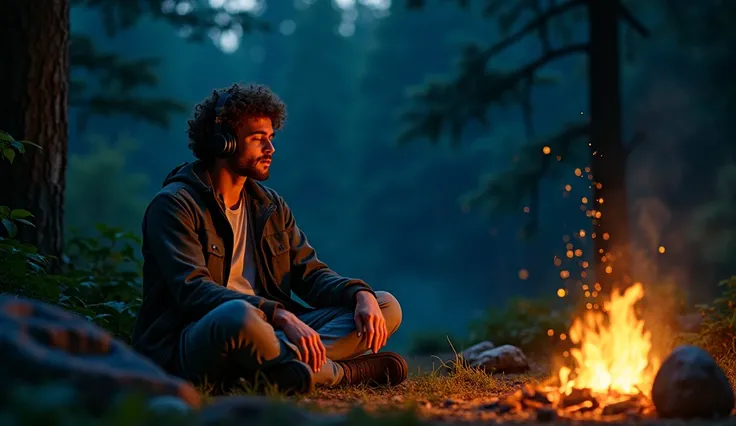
[[718, 329], [9, 147]]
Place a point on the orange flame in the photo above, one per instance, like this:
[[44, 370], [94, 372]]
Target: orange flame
[[613, 354]]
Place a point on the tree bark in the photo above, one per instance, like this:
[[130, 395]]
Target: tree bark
[[608, 156], [34, 87]]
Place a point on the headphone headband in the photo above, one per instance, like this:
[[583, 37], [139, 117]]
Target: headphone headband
[[220, 109], [222, 142]]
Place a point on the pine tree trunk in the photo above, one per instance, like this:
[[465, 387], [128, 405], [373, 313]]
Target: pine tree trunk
[[608, 164], [34, 87]]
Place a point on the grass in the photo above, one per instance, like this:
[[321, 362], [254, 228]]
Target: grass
[[431, 386], [437, 389]]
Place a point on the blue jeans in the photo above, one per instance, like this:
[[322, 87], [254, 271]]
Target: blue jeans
[[233, 341]]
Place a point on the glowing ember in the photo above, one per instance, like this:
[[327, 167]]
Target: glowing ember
[[613, 358]]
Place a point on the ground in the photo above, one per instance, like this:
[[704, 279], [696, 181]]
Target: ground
[[436, 389], [439, 393]]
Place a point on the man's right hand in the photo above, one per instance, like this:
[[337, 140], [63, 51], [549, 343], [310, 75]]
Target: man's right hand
[[311, 350]]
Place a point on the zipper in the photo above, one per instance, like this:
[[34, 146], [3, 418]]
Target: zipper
[[259, 253]]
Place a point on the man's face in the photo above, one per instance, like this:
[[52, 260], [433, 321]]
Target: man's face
[[253, 154]]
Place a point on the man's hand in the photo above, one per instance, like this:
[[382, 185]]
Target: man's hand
[[311, 350], [369, 320]]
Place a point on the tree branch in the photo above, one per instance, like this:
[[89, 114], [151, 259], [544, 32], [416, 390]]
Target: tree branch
[[509, 189], [631, 19], [530, 27], [512, 79]]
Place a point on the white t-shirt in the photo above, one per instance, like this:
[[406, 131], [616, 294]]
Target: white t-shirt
[[243, 268]]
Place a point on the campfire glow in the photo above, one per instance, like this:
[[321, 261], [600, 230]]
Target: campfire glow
[[613, 357]]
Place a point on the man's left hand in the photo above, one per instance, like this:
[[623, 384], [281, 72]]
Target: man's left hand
[[369, 320]]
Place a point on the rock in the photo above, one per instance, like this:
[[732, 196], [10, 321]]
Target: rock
[[506, 359], [691, 385], [472, 352], [259, 410], [41, 344]]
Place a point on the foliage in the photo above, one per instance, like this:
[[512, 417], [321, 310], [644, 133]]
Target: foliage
[[119, 78], [9, 147], [713, 223], [100, 280], [718, 329], [102, 189], [524, 323], [453, 105], [101, 283], [119, 15]]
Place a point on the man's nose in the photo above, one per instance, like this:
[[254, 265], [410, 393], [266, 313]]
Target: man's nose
[[269, 148]]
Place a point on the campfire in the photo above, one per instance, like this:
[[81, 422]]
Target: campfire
[[613, 370]]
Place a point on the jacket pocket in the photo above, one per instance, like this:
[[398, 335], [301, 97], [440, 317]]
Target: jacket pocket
[[215, 258], [277, 254]]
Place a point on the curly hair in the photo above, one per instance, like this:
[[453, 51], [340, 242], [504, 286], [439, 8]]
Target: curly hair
[[246, 100]]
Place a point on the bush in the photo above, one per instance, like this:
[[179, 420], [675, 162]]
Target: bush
[[718, 329], [524, 323], [100, 279]]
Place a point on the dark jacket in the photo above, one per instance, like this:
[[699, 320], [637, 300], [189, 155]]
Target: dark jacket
[[187, 251]]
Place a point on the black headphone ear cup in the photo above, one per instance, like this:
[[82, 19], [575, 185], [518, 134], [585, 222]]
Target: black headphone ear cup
[[218, 144], [230, 145]]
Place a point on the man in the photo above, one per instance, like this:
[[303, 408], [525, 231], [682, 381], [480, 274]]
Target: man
[[222, 256]]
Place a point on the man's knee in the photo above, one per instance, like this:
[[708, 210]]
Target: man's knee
[[240, 322], [391, 310]]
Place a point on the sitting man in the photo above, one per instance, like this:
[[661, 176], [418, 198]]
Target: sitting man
[[222, 256]]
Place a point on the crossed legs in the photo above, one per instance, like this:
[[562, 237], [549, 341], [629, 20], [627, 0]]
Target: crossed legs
[[233, 341]]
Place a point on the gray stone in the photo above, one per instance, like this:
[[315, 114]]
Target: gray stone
[[472, 352], [691, 385], [506, 359], [41, 344]]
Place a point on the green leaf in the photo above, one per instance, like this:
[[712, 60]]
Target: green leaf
[[19, 146], [31, 143], [4, 211], [5, 136], [11, 227], [117, 306], [9, 153], [25, 222], [20, 213]]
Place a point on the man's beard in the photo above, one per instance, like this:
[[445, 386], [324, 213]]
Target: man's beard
[[249, 167]]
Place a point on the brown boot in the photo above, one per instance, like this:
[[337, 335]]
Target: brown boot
[[383, 368]]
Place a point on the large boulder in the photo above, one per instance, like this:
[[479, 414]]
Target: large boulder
[[40, 343], [691, 385]]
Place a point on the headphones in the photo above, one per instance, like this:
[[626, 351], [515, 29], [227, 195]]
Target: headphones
[[222, 141]]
